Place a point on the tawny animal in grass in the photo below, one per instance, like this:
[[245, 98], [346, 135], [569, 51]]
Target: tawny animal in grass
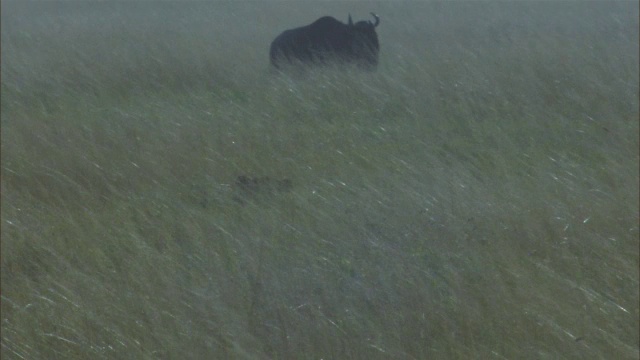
[[326, 41]]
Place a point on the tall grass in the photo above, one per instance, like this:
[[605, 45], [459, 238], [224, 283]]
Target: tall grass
[[476, 197]]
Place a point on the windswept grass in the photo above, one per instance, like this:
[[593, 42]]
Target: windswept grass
[[476, 197]]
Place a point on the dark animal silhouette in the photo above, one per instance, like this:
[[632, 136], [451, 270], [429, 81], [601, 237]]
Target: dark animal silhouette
[[328, 40]]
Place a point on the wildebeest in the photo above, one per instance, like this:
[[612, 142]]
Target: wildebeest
[[328, 40]]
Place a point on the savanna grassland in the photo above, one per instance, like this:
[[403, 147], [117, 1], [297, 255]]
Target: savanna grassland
[[166, 195]]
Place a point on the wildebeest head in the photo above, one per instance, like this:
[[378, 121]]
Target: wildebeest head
[[365, 24], [327, 40]]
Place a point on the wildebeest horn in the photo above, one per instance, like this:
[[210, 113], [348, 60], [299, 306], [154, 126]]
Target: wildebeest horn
[[377, 19], [350, 21]]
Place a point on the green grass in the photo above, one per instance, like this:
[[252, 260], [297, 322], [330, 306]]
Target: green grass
[[476, 197]]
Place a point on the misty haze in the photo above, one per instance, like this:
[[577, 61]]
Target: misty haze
[[168, 194]]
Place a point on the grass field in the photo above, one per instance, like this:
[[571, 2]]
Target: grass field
[[165, 195]]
